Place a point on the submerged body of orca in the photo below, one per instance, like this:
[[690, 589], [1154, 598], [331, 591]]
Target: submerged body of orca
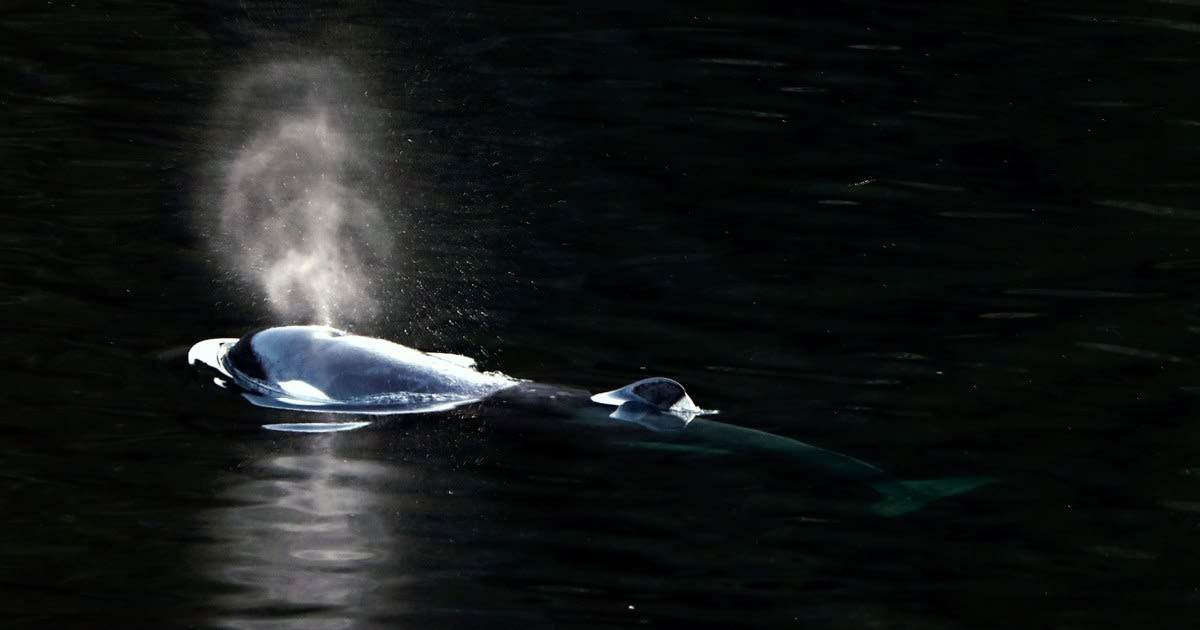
[[325, 370]]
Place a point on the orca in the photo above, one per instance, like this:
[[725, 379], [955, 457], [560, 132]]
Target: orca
[[325, 370]]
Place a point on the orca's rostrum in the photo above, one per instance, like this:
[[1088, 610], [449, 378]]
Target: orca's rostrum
[[325, 370]]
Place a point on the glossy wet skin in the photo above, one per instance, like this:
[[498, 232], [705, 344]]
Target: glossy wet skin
[[316, 368], [350, 367]]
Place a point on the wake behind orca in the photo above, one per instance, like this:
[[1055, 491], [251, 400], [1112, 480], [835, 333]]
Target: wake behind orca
[[324, 370]]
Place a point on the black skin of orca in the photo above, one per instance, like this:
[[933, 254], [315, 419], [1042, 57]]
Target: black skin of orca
[[660, 393], [242, 357], [543, 398]]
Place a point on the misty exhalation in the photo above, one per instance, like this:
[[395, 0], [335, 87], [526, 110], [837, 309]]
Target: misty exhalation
[[292, 199]]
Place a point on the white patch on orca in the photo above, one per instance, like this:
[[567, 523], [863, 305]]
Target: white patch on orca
[[210, 352], [303, 391]]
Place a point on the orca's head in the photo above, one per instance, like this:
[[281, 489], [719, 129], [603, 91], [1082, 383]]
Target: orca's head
[[257, 351]]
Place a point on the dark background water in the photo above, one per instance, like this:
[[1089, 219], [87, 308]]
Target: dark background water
[[946, 238]]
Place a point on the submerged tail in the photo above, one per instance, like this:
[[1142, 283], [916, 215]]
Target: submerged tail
[[902, 497]]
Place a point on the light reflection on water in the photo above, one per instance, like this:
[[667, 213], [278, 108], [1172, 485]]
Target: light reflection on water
[[303, 541]]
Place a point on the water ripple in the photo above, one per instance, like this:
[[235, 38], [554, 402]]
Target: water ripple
[[1084, 293], [1149, 208]]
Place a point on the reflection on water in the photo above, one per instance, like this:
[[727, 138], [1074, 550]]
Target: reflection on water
[[303, 540]]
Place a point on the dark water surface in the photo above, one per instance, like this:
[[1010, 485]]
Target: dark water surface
[[946, 238]]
